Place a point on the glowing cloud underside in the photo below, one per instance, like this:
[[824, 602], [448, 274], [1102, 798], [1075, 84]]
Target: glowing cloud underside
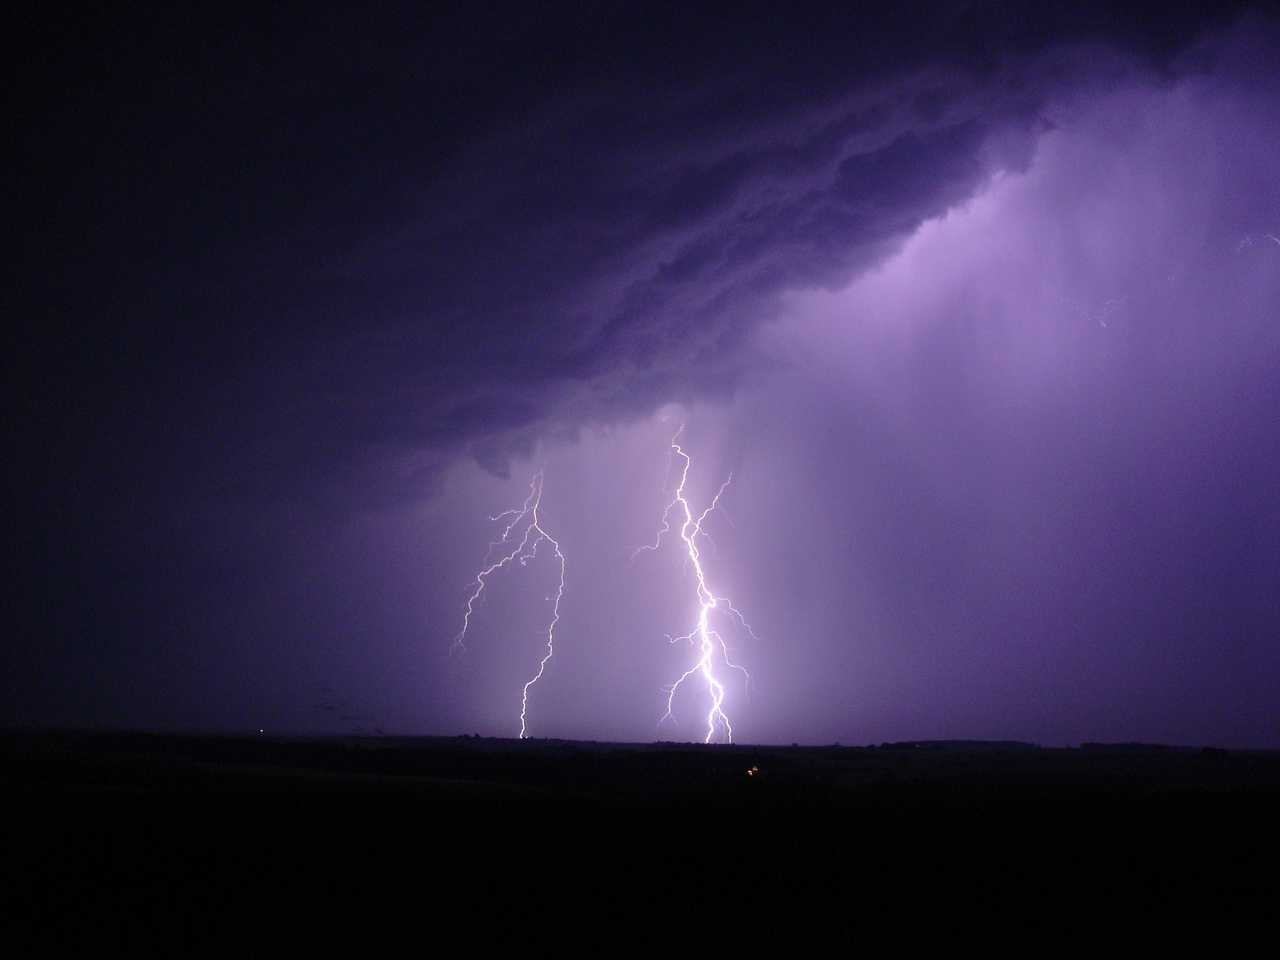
[[520, 540], [712, 652]]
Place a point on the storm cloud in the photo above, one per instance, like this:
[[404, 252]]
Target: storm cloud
[[977, 304]]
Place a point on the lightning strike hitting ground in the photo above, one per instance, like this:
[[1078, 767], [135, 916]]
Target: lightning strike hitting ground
[[519, 542], [711, 647]]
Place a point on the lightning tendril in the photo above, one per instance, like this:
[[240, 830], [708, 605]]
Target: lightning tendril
[[519, 542]]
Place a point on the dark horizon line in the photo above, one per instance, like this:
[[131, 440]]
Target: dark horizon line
[[953, 743]]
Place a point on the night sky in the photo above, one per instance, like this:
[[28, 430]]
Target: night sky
[[975, 306]]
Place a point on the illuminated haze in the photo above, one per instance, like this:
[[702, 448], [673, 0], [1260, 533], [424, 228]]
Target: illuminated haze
[[979, 309]]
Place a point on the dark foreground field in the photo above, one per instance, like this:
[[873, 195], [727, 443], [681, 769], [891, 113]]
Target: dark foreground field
[[190, 846]]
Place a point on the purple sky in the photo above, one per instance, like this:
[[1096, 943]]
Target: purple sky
[[979, 307]]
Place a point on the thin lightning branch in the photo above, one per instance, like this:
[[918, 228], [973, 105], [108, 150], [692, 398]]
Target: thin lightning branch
[[1100, 317], [707, 641], [1247, 240], [519, 543]]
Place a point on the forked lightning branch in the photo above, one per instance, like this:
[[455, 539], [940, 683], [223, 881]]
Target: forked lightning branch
[[711, 666]]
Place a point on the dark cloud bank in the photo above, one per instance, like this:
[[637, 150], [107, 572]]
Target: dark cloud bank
[[282, 278]]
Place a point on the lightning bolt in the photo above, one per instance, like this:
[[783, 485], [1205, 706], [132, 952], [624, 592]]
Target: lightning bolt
[[710, 646], [519, 542]]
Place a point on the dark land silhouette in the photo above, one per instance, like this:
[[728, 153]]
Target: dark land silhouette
[[379, 846]]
